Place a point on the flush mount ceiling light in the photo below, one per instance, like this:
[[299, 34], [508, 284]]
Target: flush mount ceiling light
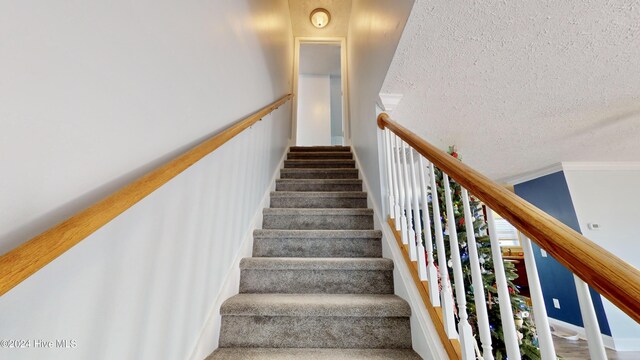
[[320, 17]]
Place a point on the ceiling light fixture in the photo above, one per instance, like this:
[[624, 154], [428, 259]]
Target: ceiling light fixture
[[320, 17]]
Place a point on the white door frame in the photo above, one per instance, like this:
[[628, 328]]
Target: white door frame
[[343, 79]]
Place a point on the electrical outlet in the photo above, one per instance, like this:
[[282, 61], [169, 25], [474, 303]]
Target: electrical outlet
[[593, 226], [556, 303], [543, 253]]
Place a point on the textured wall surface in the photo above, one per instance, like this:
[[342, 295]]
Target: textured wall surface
[[522, 85]]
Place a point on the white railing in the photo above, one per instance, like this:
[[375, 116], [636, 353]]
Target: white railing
[[434, 240]]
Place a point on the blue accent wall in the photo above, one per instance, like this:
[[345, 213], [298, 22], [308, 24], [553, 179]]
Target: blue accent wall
[[551, 194]]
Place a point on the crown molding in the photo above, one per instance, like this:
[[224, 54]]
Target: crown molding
[[601, 165], [530, 175], [571, 166]]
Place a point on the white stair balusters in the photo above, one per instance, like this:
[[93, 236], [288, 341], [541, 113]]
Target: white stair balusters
[[464, 328], [394, 172], [545, 341], [422, 267], [591, 326], [476, 280], [401, 192], [388, 158], [431, 273], [511, 340], [446, 295], [396, 187], [411, 234]]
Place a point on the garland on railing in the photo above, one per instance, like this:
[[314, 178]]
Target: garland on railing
[[525, 326]]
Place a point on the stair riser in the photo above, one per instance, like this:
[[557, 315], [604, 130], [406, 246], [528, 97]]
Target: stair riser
[[319, 174], [318, 222], [317, 248], [320, 155], [316, 281], [282, 186], [317, 202], [320, 149], [346, 164], [315, 332], [312, 354]]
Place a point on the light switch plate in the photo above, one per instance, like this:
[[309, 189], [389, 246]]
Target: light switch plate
[[543, 253], [556, 303]]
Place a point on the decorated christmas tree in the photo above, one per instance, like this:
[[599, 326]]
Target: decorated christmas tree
[[524, 324]]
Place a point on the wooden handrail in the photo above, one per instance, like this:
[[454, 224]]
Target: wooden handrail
[[612, 277], [23, 261]]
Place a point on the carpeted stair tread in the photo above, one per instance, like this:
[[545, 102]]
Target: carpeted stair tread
[[318, 173], [317, 243], [320, 194], [319, 148], [320, 163], [318, 218], [326, 305], [312, 354], [315, 234], [319, 212], [255, 263], [320, 155], [318, 199], [289, 275], [318, 185]]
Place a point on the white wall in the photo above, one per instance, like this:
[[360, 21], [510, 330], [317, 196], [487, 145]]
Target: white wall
[[92, 95], [607, 194], [374, 32], [314, 110], [336, 110]]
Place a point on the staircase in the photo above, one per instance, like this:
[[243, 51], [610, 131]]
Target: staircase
[[317, 286]]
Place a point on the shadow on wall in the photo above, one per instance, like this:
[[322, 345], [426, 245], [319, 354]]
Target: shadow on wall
[[270, 23], [612, 118]]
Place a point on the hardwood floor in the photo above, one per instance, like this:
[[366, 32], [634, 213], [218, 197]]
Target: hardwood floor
[[578, 350]]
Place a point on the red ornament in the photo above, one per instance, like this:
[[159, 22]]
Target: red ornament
[[454, 154]]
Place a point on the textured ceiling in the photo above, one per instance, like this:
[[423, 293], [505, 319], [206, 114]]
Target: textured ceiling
[[320, 59], [520, 85], [301, 10]]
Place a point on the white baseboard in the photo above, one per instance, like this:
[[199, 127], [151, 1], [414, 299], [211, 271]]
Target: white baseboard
[[626, 344], [423, 332], [208, 340], [574, 329]]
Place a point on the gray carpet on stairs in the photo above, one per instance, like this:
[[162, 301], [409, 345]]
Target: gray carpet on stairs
[[317, 243], [318, 185], [317, 286], [318, 173], [312, 354], [318, 199]]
